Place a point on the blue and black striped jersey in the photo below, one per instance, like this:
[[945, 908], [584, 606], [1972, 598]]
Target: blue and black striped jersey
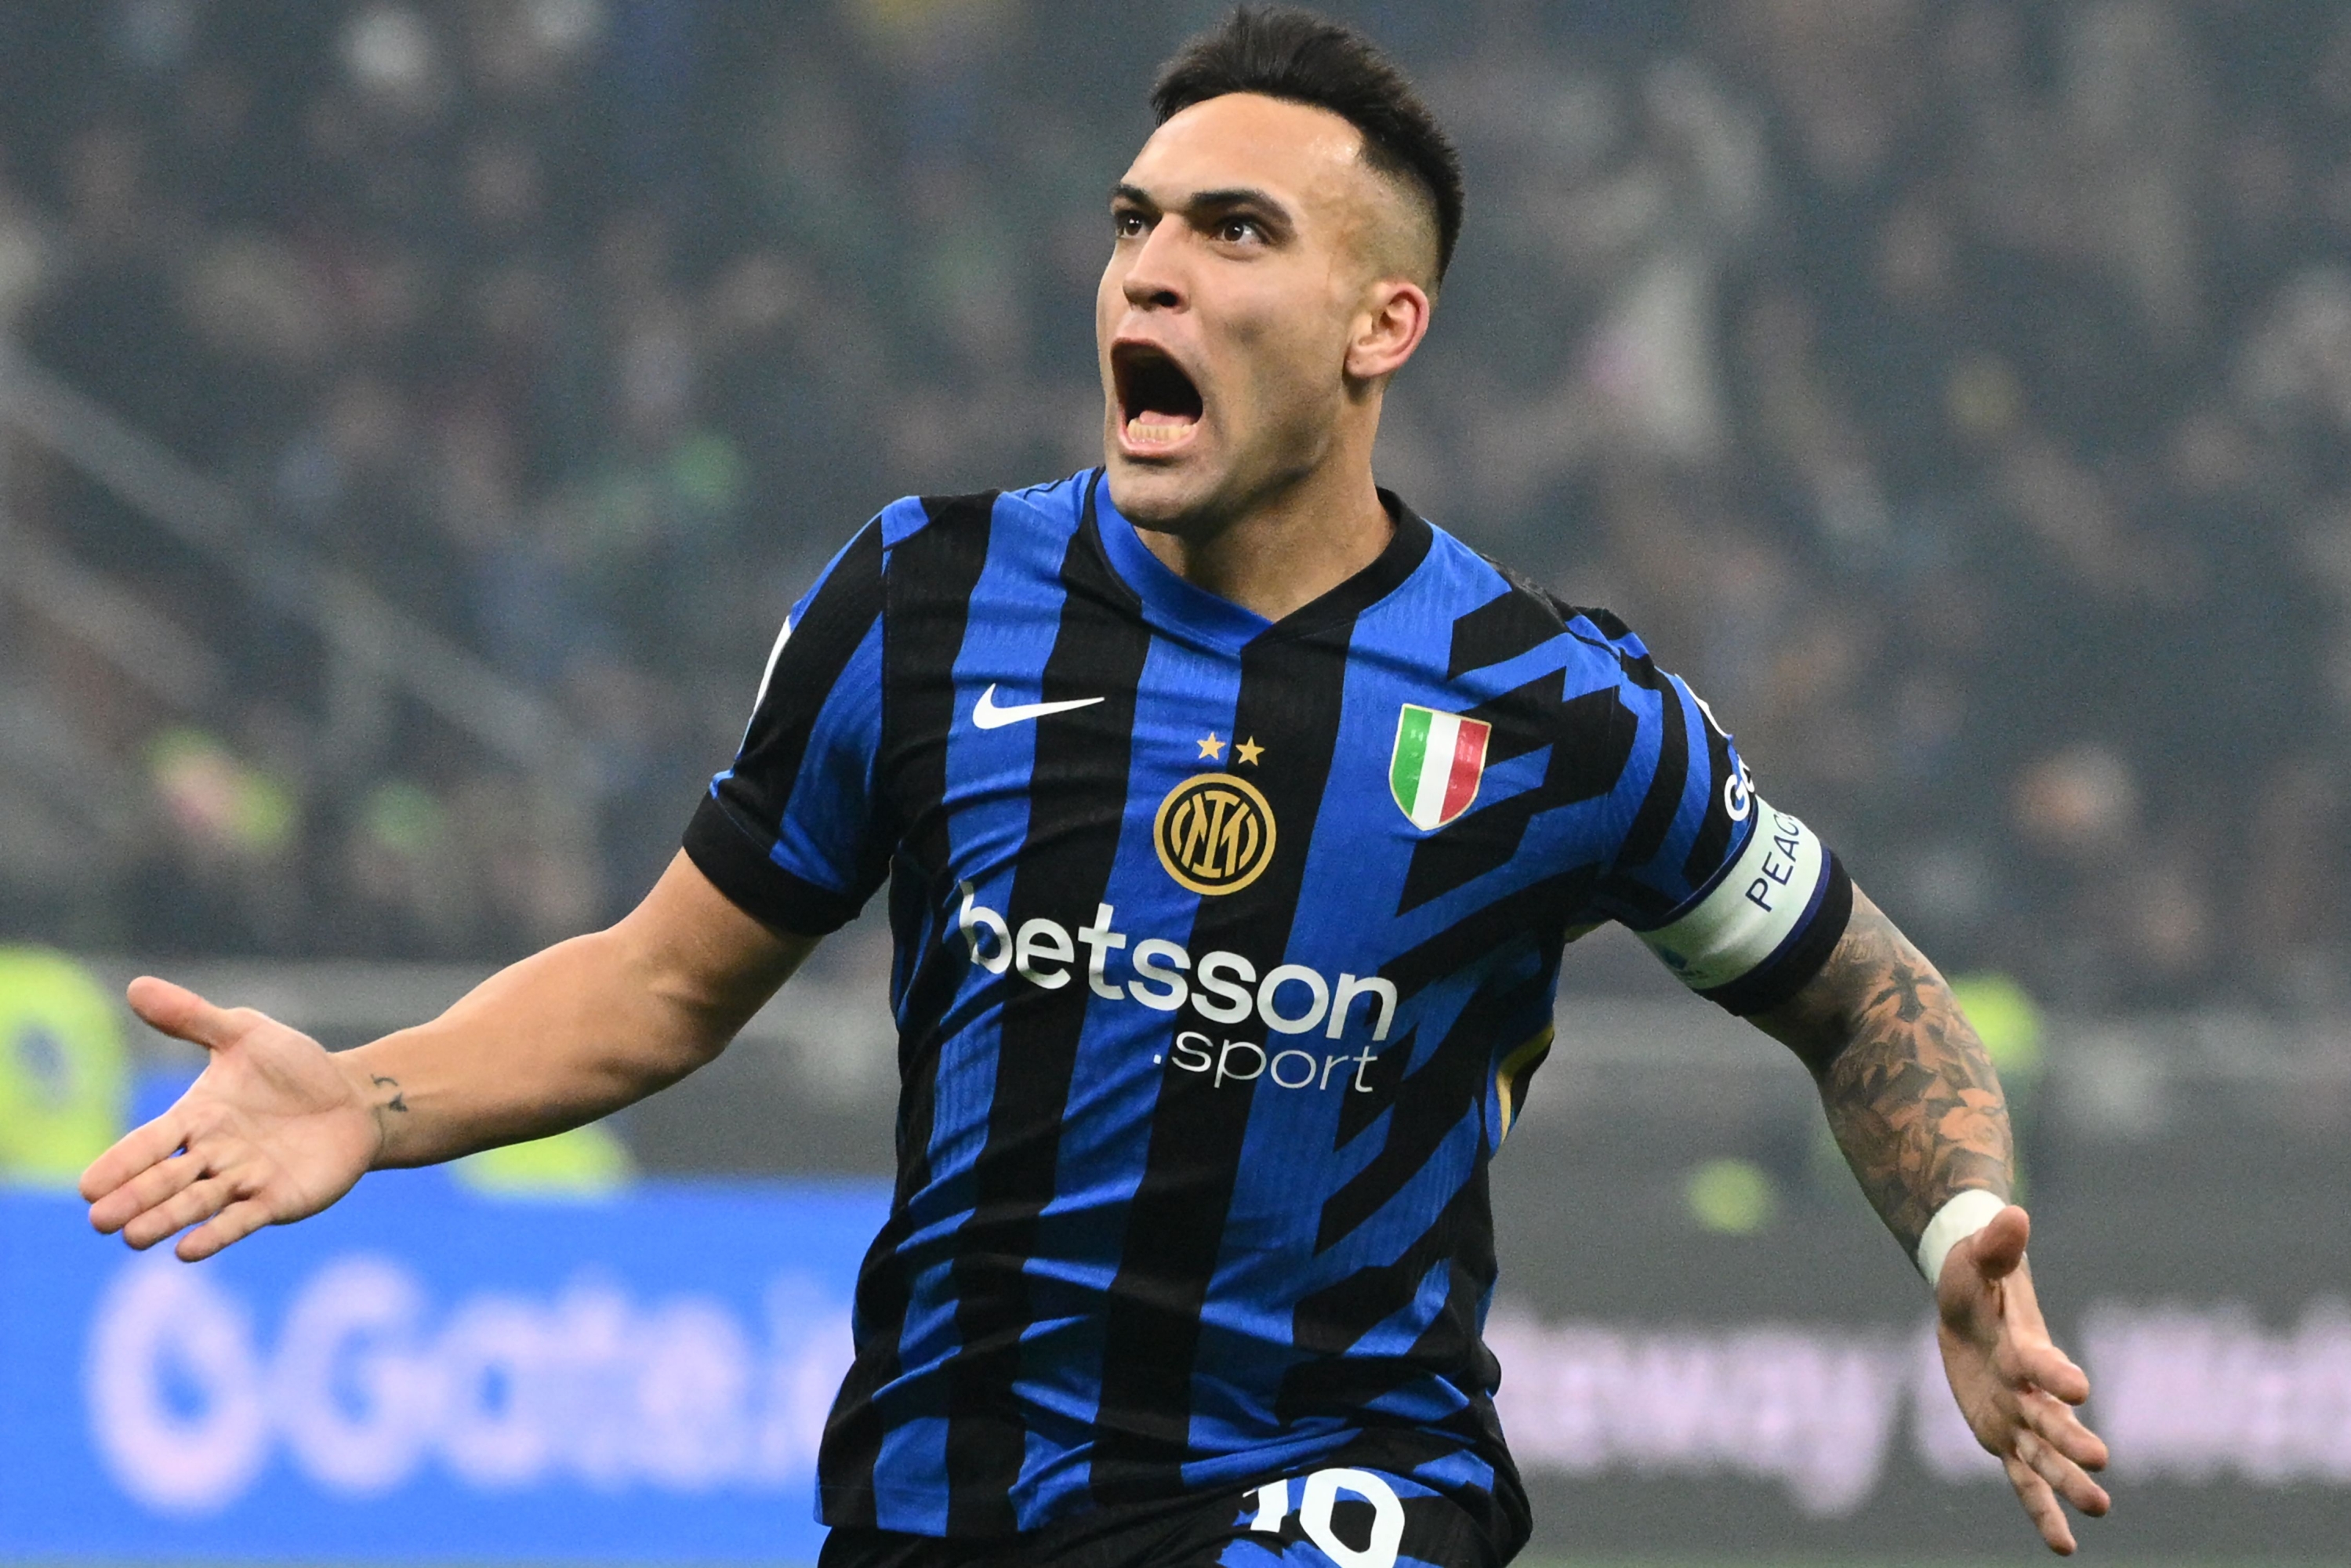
[[1225, 951]]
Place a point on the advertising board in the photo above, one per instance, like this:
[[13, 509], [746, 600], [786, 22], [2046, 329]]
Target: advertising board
[[1669, 1392], [426, 1374]]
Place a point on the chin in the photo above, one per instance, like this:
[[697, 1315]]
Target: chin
[[1163, 497]]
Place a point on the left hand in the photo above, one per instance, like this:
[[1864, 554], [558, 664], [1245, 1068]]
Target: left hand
[[2017, 1389]]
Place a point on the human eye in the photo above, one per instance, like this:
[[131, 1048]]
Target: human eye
[[1240, 230], [1125, 222]]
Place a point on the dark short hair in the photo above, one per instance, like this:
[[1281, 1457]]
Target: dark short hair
[[1283, 52]]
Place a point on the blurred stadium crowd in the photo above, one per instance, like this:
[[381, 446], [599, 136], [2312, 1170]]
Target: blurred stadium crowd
[[1957, 393]]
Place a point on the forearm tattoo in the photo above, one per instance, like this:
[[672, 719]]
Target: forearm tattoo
[[1910, 1093], [398, 1102]]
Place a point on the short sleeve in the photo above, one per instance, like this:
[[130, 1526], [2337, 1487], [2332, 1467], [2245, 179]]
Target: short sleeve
[[788, 834], [1739, 899]]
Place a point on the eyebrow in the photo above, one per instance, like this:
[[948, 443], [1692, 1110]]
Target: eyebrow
[[1201, 202]]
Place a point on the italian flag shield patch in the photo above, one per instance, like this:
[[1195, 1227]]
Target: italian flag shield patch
[[1440, 758]]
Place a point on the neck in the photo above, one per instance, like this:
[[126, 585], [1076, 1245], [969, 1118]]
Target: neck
[[1284, 551]]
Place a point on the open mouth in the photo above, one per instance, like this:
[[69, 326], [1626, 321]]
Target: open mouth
[[1161, 406]]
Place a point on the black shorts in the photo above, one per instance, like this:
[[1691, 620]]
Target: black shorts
[[1332, 1517]]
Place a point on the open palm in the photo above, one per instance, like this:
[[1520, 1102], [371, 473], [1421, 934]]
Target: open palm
[[2015, 1387], [274, 1130]]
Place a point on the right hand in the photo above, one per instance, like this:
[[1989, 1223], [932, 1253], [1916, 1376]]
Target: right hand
[[273, 1131]]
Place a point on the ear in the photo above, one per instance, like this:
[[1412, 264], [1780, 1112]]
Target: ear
[[1394, 320]]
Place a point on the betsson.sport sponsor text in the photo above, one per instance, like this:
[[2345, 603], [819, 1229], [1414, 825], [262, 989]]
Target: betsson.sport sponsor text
[[1221, 986]]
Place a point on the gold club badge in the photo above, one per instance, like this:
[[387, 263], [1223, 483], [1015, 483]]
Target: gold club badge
[[1214, 834]]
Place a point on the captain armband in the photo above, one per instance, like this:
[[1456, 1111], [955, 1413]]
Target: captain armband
[[1768, 924]]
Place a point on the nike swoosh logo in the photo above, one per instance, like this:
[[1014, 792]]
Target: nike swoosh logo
[[987, 716]]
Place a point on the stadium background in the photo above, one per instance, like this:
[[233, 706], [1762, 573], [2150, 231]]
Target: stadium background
[[414, 418]]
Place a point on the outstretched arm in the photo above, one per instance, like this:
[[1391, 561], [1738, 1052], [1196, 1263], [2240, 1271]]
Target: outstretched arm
[[1916, 1107], [1909, 1092], [276, 1128]]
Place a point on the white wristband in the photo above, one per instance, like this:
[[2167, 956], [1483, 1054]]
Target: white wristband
[[1953, 1223]]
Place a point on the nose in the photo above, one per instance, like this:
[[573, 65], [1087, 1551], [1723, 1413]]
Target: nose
[[1155, 279]]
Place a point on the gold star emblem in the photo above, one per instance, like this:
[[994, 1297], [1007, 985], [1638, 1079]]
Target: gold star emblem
[[1249, 751], [1212, 748]]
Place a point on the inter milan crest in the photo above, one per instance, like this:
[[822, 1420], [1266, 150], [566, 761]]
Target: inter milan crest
[[1214, 833], [1440, 758]]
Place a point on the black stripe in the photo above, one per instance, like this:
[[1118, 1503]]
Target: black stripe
[[1542, 910], [809, 667], [1605, 622], [1334, 1319], [928, 593], [751, 800], [1381, 1082], [1077, 807], [1432, 1103], [1538, 914], [1787, 971], [734, 858], [1291, 684], [1501, 629]]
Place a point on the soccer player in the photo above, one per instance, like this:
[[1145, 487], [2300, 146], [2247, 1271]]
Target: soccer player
[[1234, 818]]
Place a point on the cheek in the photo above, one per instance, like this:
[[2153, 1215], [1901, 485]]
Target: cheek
[[1293, 357]]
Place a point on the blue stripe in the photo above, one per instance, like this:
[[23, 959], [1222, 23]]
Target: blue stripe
[[826, 815], [914, 1447]]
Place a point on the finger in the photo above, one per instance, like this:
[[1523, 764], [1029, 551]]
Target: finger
[[230, 1226], [2039, 1506], [184, 1015], [2016, 1355], [199, 1202], [2064, 1474], [2019, 1303], [2062, 1429], [2047, 1369], [1964, 1295], [1997, 1249], [156, 1184], [134, 1152]]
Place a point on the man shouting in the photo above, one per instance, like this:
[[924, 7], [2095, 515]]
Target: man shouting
[[1234, 818]]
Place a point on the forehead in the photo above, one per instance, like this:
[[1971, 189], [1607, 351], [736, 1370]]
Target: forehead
[[1295, 152]]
